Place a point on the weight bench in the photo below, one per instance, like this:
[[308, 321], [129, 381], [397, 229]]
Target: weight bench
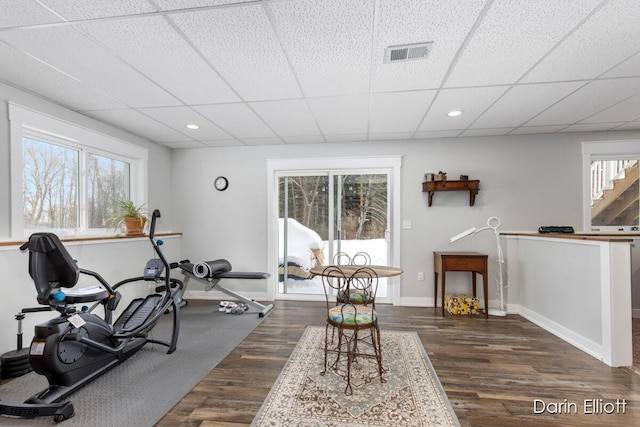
[[211, 272]]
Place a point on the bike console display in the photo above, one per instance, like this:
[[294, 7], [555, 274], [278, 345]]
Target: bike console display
[[153, 270]]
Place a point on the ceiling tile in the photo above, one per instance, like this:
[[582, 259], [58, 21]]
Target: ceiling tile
[[590, 127], [328, 43], [17, 13], [92, 9], [390, 136], [437, 134], [472, 101], [635, 125], [523, 102], [595, 96], [486, 132], [188, 4], [624, 111], [628, 68], [237, 119], [140, 124], [341, 115], [240, 43], [346, 138], [311, 139], [176, 66], [398, 111], [443, 22], [48, 82], [184, 144], [512, 37], [74, 54], [593, 48], [178, 118], [262, 141], [536, 129], [223, 143], [287, 117]]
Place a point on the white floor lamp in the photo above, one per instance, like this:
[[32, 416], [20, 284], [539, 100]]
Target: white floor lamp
[[492, 224]]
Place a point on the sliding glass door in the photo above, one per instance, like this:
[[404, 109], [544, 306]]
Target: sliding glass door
[[327, 212]]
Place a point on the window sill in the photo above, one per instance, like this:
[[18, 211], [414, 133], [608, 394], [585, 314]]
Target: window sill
[[96, 238]]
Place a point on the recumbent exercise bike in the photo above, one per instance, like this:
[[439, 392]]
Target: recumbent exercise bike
[[78, 346]]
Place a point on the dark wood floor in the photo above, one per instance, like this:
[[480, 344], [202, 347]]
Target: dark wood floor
[[492, 371]]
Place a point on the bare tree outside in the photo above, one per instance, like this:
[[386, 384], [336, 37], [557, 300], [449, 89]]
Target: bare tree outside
[[308, 201], [106, 179], [364, 207], [51, 186], [363, 200]]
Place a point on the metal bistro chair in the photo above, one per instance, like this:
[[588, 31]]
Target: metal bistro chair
[[355, 324]]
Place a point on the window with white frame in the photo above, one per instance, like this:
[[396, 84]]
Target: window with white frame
[[611, 186], [68, 179]]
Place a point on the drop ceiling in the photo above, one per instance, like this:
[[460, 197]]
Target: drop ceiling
[[313, 71]]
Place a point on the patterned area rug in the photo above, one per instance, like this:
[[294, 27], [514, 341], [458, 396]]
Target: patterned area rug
[[411, 396]]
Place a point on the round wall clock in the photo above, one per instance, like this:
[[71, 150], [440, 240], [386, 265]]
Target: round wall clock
[[221, 183]]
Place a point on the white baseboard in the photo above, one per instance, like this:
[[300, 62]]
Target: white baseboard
[[416, 302], [514, 309], [592, 348], [217, 295]]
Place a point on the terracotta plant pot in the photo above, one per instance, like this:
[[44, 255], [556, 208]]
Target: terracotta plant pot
[[135, 226]]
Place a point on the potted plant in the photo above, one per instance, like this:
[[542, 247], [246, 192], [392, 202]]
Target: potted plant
[[132, 216], [442, 175]]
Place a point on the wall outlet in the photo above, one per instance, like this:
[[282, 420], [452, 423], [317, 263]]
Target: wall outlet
[[420, 275]]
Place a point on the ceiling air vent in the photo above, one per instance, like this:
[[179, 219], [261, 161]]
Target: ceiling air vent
[[407, 52]]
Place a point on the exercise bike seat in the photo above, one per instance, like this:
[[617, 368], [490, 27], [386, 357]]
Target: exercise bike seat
[[52, 268]]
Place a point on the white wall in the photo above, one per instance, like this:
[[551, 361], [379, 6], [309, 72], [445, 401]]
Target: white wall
[[576, 289], [527, 181]]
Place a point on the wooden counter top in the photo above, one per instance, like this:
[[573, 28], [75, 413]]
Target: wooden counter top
[[93, 238], [597, 237]]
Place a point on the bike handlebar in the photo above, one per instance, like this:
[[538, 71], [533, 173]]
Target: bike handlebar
[[154, 217]]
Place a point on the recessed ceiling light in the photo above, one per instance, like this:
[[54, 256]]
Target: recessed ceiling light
[[454, 113], [193, 126]]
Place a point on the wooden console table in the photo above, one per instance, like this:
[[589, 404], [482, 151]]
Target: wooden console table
[[472, 186], [474, 262]]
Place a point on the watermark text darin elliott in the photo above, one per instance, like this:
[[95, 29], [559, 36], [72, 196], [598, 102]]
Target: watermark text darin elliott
[[587, 406]]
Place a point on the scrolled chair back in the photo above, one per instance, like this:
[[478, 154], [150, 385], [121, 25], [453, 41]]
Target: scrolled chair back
[[333, 279], [342, 258], [363, 286], [359, 258]]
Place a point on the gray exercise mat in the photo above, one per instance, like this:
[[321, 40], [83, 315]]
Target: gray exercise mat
[[144, 388]]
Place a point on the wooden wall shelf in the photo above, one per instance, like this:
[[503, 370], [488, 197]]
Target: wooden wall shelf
[[472, 186]]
